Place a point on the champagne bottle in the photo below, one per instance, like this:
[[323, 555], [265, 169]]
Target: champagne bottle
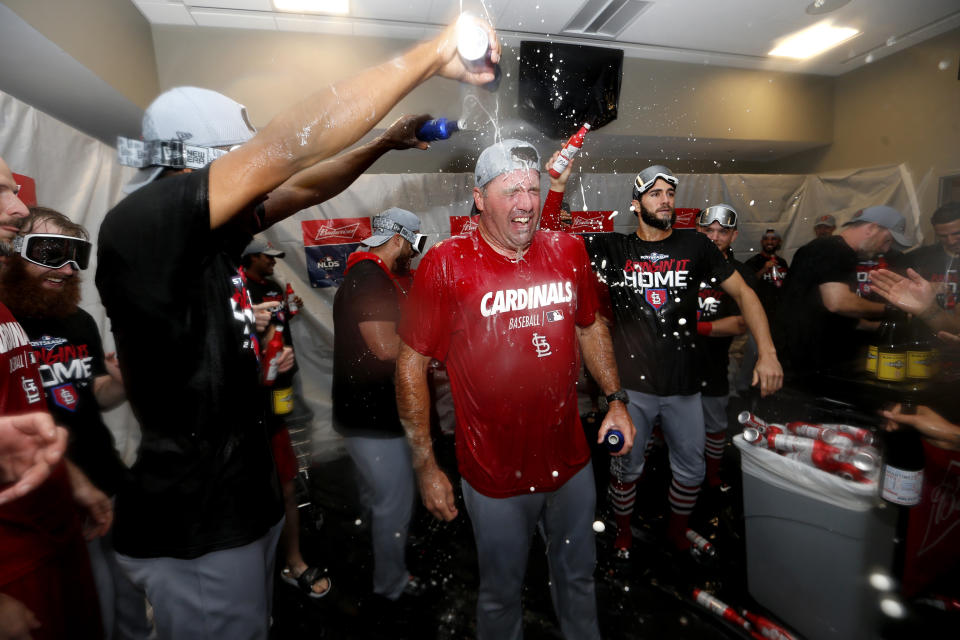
[[902, 481], [438, 129], [891, 352]]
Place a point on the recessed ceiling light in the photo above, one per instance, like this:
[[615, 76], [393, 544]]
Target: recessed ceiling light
[[825, 6], [339, 7], [812, 41]]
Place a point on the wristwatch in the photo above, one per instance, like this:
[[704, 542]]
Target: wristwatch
[[620, 395]]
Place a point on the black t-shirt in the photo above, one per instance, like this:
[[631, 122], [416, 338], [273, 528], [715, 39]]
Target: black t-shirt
[[769, 286], [364, 396], [70, 358], [653, 295], [713, 353], [810, 338], [204, 478], [937, 266]]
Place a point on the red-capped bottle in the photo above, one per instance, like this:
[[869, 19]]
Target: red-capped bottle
[[292, 307], [271, 356], [569, 150]]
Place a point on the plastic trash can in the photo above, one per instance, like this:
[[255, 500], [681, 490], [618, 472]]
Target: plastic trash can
[[813, 540]]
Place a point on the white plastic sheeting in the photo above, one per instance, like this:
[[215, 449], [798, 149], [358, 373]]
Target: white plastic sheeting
[[76, 175], [802, 479], [79, 176]]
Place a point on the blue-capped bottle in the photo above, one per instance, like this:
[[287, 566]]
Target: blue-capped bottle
[[437, 129], [614, 440]]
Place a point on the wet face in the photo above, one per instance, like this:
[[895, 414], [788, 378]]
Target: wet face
[[720, 236], [34, 291], [770, 244], [656, 205], [823, 230], [510, 209], [948, 235], [12, 209]]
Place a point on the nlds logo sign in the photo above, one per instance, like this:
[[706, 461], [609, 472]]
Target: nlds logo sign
[[327, 243]]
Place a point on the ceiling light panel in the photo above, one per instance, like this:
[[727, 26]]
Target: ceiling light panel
[[399, 10], [244, 5], [332, 7], [812, 41]]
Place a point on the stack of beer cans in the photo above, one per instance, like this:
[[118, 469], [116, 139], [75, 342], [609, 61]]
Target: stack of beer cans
[[841, 449]]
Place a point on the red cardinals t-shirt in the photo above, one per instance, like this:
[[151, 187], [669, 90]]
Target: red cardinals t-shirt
[[43, 521], [506, 330]]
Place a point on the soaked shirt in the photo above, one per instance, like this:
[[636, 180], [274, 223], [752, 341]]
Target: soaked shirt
[[41, 523], [364, 396], [204, 478], [70, 358], [653, 295], [507, 332]]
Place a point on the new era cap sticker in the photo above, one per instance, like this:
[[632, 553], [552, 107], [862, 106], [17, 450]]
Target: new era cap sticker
[[656, 297]]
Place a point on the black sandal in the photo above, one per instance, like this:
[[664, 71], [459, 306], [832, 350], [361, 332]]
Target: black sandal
[[307, 579]]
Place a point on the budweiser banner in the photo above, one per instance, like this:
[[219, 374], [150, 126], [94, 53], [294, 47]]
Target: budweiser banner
[[686, 218], [462, 225], [583, 222], [327, 243], [591, 221]]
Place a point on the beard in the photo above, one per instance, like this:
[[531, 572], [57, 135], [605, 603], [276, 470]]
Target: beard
[[656, 222], [25, 296]]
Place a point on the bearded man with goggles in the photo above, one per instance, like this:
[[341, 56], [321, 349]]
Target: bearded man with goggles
[[653, 276]]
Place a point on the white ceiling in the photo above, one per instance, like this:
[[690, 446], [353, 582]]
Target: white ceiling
[[736, 33]]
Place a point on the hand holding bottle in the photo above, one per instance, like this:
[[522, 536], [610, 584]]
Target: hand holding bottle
[[935, 428]]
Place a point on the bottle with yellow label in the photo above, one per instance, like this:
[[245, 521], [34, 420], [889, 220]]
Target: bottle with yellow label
[[921, 354], [891, 352], [870, 365]]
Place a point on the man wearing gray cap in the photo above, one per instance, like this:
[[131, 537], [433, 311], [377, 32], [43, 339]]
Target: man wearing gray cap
[[366, 311], [198, 524], [508, 309], [820, 310], [824, 226]]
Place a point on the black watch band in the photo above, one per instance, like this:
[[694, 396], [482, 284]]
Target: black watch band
[[620, 395]]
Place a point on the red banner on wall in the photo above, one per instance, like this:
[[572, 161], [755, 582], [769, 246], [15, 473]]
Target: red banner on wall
[[28, 189], [591, 221], [462, 225], [686, 218], [583, 222]]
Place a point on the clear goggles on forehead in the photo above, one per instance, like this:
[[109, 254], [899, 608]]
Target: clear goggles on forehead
[[417, 240], [53, 250], [644, 181], [721, 213]]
